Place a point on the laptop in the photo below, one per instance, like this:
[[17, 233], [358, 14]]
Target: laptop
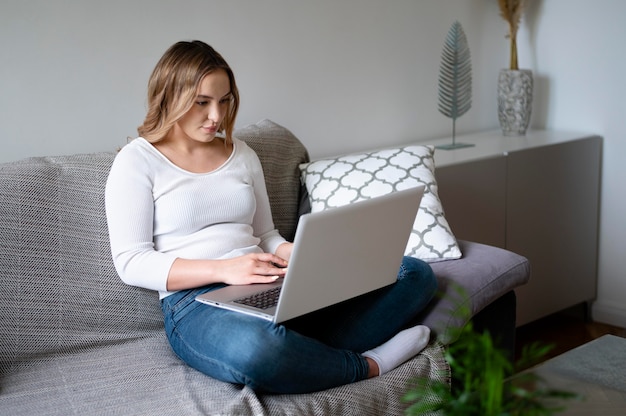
[[338, 254]]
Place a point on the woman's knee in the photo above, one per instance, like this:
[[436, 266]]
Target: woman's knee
[[419, 272]]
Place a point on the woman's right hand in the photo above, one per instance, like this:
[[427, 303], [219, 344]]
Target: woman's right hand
[[243, 270], [252, 268]]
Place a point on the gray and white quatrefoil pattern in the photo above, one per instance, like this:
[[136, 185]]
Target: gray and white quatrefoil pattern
[[351, 178]]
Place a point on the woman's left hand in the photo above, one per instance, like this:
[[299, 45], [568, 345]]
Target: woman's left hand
[[284, 251]]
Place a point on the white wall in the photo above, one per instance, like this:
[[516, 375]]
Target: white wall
[[341, 74]]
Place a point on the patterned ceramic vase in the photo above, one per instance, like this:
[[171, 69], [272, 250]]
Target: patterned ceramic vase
[[515, 99]]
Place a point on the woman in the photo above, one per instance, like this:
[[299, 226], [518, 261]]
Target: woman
[[188, 212]]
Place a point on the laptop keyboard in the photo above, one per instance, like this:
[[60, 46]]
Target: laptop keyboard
[[261, 300]]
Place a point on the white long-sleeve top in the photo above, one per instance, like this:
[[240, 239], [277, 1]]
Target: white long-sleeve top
[[157, 212]]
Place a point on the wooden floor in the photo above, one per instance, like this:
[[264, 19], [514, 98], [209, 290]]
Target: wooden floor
[[564, 330]]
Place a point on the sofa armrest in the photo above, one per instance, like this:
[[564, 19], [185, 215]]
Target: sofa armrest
[[484, 274]]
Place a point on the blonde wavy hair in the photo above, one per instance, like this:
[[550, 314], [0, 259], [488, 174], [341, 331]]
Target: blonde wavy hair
[[173, 87]]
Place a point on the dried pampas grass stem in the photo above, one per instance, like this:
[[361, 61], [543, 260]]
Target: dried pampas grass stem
[[511, 11]]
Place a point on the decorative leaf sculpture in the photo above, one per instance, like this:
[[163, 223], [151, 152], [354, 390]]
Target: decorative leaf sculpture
[[455, 79]]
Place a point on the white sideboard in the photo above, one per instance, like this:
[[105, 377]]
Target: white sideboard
[[536, 195]]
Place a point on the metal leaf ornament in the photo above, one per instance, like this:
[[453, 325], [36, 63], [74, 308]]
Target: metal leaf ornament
[[455, 80]]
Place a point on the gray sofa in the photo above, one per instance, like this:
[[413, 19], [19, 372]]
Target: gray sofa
[[74, 340]]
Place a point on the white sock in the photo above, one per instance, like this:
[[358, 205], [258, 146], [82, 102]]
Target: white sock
[[403, 346]]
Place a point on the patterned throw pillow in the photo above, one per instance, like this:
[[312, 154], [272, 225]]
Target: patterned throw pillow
[[343, 180]]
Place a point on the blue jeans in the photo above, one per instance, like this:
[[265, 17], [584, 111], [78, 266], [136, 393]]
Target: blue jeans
[[315, 352]]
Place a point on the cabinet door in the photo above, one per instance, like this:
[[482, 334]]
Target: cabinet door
[[473, 196], [552, 210]]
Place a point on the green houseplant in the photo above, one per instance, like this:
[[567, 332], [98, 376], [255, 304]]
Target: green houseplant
[[482, 380]]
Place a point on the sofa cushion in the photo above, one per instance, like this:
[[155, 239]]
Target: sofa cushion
[[59, 288], [280, 153], [144, 377], [334, 182]]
